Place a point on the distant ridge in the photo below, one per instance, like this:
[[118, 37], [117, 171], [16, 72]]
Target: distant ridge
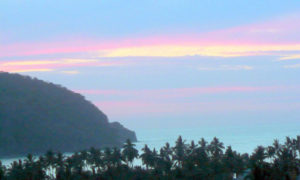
[[36, 116]]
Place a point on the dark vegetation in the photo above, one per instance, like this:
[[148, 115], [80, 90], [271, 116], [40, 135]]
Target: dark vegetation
[[202, 160], [36, 116]]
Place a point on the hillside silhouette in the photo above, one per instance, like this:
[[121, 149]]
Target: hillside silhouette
[[36, 116]]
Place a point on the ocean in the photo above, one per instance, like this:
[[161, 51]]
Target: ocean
[[243, 139]]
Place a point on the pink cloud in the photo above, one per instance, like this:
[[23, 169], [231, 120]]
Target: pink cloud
[[51, 65], [180, 92], [182, 100], [133, 108], [279, 35]]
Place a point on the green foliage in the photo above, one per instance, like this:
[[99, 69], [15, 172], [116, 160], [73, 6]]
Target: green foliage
[[129, 153], [183, 161], [36, 116]]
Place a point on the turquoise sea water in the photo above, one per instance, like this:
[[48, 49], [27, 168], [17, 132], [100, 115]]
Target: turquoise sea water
[[244, 139]]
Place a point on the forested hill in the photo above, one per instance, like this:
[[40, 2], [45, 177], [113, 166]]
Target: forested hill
[[36, 116]]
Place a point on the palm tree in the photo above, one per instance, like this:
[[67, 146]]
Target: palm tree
[[146, 156], [83, 155], [191, 149], [29, 159], [78, 163], [69, 165], [59, 160], [193, 162], [2, 171], [229, 161], [259, 155], [91, 159], [167, 151], [286, 159], [294, 148], [203, 143], [59, 164], [107, 159], [39, 171], [165, 157], [298, 145], [270, 152], [16, 171], [29, 166], [216, 148], [129, 153], [179, 151], [95, 159], [240, 162], [202, 159], [298, 149], [50, 162], [154, 159], [116, 157], [201, 156], [189, 162], [276, 146]]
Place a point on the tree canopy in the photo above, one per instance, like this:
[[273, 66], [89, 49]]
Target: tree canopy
[[182, 161]]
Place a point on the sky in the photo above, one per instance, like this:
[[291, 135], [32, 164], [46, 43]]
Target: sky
[[169, 63]]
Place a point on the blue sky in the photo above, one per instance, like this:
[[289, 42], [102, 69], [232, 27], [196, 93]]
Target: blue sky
[[153, 63]]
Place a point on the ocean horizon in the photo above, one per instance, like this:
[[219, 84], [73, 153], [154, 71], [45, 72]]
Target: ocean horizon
[[242, 138]]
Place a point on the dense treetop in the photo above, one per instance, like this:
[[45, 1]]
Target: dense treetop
[[200, 160], [36, 116]]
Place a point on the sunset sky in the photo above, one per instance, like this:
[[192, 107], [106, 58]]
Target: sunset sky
[[168, 63]]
